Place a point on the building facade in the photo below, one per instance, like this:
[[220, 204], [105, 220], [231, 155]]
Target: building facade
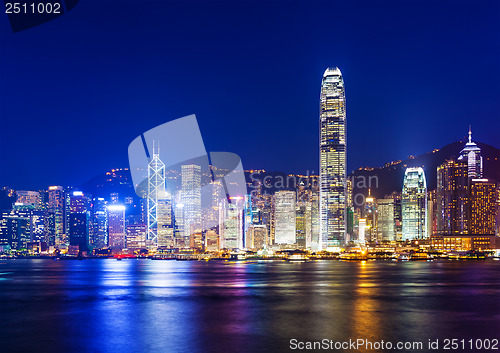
[[414, 204], [284, 213], [333, 159]]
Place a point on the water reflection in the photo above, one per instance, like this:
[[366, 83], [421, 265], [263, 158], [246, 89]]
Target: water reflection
[[174, 306]]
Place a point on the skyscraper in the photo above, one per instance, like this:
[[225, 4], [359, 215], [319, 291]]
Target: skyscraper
[[99, 237], [303, 225], [483, 197], [414, 204], [452, 201], [136, 236], [231, 223], [156, 188], [284, 213], [56, 215], [116, 221], [333, 139], [191, 199], [385, 220], [472, 155], [79, 220], [165, 221]]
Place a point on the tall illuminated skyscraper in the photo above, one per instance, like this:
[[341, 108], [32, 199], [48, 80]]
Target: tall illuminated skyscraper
[[385, 220], [156, 189], [483, 197], [231, 223], [165, 232], [414, 204], [116, 220], [333, 139], [99, 223], [79, 220], [452, 201], [472, 155], [55, 214], [284, 214], [191, 199]]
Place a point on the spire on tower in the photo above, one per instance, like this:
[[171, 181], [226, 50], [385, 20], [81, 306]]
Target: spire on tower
[[470, 134]]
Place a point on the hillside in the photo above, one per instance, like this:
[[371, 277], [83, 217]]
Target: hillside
[[391, 175]]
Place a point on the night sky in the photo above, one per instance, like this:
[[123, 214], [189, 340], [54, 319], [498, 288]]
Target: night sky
[[77, 90]]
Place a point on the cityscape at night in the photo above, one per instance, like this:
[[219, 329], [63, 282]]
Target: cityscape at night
[[186, 213], [233, 176], [314, 214]]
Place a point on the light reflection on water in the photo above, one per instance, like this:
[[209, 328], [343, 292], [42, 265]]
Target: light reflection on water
[[180, 306]]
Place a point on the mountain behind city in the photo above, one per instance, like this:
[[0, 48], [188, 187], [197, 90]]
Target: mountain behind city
[[390, 176]]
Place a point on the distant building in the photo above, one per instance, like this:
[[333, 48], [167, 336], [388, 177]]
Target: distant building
[[54, 233], [483, 197], [28, 197], [452, 201], [385, 220], [498, 211], [165, 221], [79, 220], [361, 231], [464, 242], [231, 223], [37, 226], [315, 221], [333, 142], [191, 200], [116, 224], [212, 240], [99, 237], [136, 236], [303, 225], [247, 218], [414, 204], [15, 227], [431, 213], [156, 188], [370, 215], [284, 213], [471, 154], [258, 237], [114, 198]]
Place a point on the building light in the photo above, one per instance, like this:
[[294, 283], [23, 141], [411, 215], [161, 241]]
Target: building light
[[116, 208]]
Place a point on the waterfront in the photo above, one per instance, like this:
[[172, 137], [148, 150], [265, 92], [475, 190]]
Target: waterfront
[[139, 305]]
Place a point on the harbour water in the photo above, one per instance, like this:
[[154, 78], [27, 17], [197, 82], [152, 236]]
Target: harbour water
[[140, 305]]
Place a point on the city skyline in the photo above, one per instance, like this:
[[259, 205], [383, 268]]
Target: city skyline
[[328, 177], [464, 206], [92, 114]]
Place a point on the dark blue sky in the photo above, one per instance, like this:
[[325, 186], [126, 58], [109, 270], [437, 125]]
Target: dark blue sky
[[77, 90]]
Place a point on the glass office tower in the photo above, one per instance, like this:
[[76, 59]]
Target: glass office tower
[[332, 160], [414, 204]]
